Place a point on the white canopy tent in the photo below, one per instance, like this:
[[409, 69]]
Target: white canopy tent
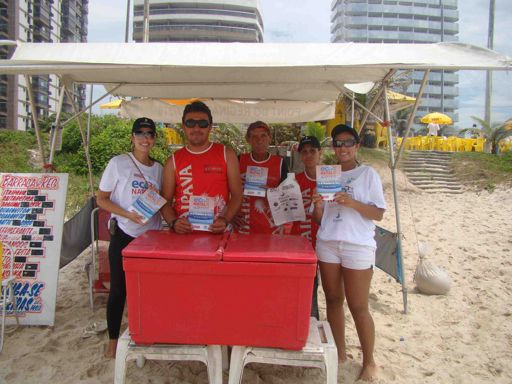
[[249, 72]]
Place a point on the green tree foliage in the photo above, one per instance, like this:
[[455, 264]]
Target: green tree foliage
[[284, 132], [231, 136], [317, 130]]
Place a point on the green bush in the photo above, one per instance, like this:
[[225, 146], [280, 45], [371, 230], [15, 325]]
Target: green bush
[[110, 136], [15, 147]]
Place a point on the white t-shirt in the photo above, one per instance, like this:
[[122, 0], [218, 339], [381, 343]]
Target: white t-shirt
[[433, 128], [341, 223], [122, 178]]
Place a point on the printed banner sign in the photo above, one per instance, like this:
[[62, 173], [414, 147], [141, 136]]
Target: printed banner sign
[[31, 222]]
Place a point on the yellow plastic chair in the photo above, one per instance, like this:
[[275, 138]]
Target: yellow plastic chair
[[479, 145], [438, 143], [469, 144], [380, 136], [459, 144]]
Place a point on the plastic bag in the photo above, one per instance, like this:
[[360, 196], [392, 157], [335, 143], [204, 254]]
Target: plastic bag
[[285, 201], [430, 279]]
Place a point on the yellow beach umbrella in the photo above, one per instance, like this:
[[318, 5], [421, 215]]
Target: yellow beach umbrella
[[436, 118], [114, 104]]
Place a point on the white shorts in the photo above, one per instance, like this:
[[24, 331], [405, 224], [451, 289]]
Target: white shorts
[[352, 256]]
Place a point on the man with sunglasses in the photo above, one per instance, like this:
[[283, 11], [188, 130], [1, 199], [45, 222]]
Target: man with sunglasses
[[255, 215], [201, 168]]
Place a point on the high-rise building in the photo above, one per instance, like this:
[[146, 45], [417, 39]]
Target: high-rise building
[[38, 21], [200, 21], [392, 21]]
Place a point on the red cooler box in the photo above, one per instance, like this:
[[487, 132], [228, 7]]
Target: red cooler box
[[203, 289]]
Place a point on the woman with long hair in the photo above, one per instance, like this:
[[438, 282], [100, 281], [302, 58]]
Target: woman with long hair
[[125, 178]]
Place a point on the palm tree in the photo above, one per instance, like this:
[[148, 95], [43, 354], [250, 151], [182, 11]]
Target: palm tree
[[494, 133]]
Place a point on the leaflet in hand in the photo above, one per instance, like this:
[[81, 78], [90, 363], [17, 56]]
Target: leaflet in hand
[[201, 212], [255, 181], [328, 180], [147, 204]]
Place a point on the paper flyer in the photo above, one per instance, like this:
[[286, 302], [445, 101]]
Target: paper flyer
[[255, 181], [147, 204], [328, 180], [201, 212]]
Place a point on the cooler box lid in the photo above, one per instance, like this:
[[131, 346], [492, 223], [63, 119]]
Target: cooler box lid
[[266, 248], [202, 246]]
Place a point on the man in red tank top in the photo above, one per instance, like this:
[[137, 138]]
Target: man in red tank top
[[201, 168], [255, 215]]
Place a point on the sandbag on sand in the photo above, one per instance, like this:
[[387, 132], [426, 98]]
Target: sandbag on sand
[[430, 279]]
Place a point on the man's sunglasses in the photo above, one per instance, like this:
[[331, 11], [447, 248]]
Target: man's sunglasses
[[141, 134], [349, 143], [191, 123]]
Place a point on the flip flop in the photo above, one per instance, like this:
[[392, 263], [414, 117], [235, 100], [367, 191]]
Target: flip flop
[[94, 328]]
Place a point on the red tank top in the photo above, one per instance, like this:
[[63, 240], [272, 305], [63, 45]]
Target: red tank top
[[201, 174], [255, 210], [307, 228]]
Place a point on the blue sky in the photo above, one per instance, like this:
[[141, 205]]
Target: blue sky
[[285, 21]]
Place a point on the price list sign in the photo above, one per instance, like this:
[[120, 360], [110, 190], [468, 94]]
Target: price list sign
[[31, 223]]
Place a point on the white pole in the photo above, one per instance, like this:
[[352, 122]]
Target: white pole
[[488, 78]]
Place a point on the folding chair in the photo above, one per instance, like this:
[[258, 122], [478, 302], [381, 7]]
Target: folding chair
[[98, 269], [7, 298]]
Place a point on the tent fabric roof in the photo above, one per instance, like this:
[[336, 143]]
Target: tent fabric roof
[[303, 72]]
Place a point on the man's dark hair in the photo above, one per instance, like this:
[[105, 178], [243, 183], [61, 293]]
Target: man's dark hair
[[197, 106]]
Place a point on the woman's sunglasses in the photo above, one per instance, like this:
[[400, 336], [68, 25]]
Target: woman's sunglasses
[[349, 143], [191, 123], [141, 134]]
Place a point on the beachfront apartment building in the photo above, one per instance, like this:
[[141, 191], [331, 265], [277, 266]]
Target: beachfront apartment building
[[38, 21], [199, 21], [417, 22]]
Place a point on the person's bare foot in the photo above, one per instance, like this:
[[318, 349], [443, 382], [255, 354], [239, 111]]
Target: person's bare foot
[[368, 373], [110, 349]]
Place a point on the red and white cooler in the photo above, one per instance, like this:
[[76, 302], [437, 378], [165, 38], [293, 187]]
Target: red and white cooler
[[202, 288]]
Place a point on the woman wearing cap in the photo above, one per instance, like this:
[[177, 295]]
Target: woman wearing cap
[[125, 178], [346, 246]]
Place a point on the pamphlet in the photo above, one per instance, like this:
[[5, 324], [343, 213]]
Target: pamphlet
[[201, 212], [255, 181], [328, 180], [148, 204], [285, 201]]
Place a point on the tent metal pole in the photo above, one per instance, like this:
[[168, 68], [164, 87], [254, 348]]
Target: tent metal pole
[[92, 104], [412, 115], [88, 136], [395, 198], [84, 141], [367, 111], [376, 98], [57, 125], [353, 107], [34, 117]]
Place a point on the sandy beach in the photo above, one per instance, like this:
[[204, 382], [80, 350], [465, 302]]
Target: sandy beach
[[464, 337]]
